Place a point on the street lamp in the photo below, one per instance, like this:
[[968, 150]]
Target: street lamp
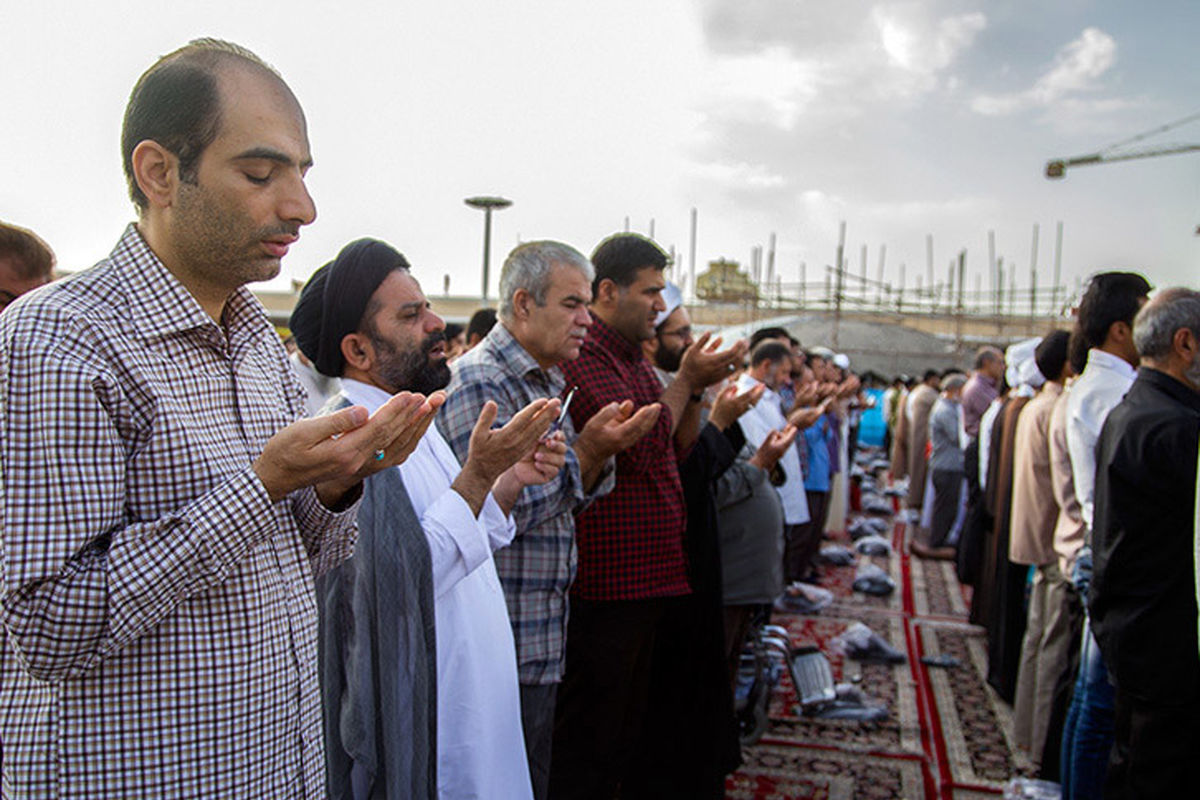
[[487, 204]]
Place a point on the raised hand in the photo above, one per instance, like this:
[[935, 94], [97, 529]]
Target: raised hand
[[334, 452], [773, 448], [543, 462], [615, 428], [803, 418], [703, 364], [491, 452], [730, 405]]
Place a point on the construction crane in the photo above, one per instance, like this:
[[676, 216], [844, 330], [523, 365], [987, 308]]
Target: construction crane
[[1120, 151]]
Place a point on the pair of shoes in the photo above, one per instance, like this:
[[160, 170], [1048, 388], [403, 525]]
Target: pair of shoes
[[860, 643], [873, 545], [870, 579], [936, 553]]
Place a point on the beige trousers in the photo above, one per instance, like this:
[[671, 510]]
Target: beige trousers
[[1044, 657]]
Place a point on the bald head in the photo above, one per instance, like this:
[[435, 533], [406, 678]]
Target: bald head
[[177, 103]]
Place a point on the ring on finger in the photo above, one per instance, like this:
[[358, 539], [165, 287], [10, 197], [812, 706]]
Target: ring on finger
[[379, 454]]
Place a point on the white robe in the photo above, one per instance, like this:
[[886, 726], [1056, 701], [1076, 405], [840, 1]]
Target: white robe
[[480, 742]]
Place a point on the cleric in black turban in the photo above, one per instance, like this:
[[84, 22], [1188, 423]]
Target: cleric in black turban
[[336, 296]]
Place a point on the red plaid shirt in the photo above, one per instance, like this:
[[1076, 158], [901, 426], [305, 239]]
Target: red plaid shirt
[[630, 541]]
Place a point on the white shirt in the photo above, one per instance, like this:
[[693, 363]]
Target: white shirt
[[317, 387], [757, 424], [480, 742], [1099, 388], [986, 423]]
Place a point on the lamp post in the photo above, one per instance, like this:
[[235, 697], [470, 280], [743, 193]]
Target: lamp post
[[487, 204]]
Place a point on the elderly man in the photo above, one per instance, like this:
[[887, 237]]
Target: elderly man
[[543, 321], [26, 262], [1142, 601], [1035, 512], [160, 631], [364, 319], [632, 565]]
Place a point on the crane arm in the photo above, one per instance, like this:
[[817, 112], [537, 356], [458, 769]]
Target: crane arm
[[1056, 168]]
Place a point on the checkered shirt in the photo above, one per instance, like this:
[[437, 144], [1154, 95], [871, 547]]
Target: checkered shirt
[[536, 570], [631, 541], [159, 623]]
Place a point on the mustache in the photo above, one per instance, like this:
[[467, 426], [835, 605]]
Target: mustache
[[431, 341]]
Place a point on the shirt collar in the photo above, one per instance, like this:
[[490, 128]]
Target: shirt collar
[[1170, 385], [366, 395], [162, 306], [608, 338], [505, 348], [1107, 361]]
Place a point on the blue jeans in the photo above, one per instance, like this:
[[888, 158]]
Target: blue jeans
[[1088, 733]]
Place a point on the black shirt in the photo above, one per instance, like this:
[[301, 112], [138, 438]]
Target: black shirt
[[1143, 600]]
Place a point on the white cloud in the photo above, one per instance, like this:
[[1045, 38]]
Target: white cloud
[[771, 86], [1076, 68], [923, 47], [738, 175]]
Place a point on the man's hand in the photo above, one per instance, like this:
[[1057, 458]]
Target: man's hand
[[703, 365], [491, 452], [539, 466], [849, 387], [730, 405], [806, 395], [615, 428], [335, 452], [803, 418], [773, 448]]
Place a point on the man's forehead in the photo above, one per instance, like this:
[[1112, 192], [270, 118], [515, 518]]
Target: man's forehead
[[650, 277], [570, 279], [260, 115]]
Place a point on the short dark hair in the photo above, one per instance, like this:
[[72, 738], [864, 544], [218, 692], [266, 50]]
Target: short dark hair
[[30, 256], [1110, 297], [452, 329], [930, 373], [619, 258], [770, 350], [771, 333], [1051, 354], [986, 355], [177, 104], [482, 322], [1077, 350]]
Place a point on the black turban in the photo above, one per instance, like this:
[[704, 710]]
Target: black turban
[[332, 303]]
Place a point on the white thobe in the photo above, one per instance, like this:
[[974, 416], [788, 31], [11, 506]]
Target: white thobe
[[480, 742], [1096, 392], [757, 424]]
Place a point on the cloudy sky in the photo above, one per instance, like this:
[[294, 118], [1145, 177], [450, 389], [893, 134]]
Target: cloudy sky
[[903, 119]]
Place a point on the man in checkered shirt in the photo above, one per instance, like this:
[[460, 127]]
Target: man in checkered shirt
[[164, 511], [545, 288]]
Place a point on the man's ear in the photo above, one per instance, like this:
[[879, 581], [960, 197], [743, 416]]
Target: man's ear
[[1184, 344], [520, 304], [358, 351], [156, 171], [606, 292]]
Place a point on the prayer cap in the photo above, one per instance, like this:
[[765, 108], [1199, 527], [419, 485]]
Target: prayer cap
[[673, 298]]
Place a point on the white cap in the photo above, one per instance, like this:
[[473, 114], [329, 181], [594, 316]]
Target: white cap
[[1022, 368], [841, 361], [673, 298]]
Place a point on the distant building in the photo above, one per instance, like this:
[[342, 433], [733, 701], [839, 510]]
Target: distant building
[[724, 282]]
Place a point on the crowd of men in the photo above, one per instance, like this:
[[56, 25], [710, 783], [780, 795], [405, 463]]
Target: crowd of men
[[528, 572], [1070, 467], [390, 563]]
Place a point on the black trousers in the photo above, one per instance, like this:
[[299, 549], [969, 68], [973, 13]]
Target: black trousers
[[602, 698], [537, 721], [1155, 749]]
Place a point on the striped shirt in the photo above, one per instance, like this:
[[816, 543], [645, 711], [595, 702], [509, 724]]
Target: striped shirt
[[537, 569], [159, 624]]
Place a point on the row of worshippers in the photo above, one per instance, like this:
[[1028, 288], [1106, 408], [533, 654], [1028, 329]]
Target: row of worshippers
[[560, 620], [1079, 538]]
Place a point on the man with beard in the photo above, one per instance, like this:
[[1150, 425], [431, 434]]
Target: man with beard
[[364, 319], [1143, 603], [632, 566], [164, 510], [543, 321]]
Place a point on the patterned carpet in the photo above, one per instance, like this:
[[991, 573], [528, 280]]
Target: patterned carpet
[[947, 736]]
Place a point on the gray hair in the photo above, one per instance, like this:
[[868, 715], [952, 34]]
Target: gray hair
[[955, 380], [528, 267], [1155, 325]]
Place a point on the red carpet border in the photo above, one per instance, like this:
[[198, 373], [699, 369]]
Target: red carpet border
[[947, 738]]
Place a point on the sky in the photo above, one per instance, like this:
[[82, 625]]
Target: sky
[[901, 119]]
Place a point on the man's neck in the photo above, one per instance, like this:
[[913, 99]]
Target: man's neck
[[211, 298], [605, 316]]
